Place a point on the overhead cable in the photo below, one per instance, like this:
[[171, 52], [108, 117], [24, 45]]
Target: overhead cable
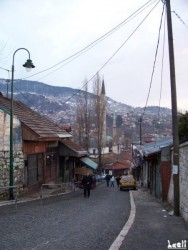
[[113, 53], [180, 19], [91, 45], [162, 68], [154, 63]]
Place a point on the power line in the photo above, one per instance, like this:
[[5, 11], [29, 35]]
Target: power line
[[91, 45], [113, 53], [5, 69], [153, 70], [181, 20], [159, 109]]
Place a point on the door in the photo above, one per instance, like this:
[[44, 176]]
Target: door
[[158, 182], [51, 167], [35, 169]]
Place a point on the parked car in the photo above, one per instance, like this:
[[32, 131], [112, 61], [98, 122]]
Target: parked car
[[127, 182], [98, 177], [103, 176]]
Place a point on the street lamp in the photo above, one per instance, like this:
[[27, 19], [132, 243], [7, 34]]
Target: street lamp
[[28, 65]]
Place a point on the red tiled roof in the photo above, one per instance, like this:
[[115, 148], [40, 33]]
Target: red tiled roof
[[40, 125], [118, 165]]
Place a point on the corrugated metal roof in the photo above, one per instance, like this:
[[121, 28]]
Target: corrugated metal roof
[[89, 162], [40, 125], [154, 147]]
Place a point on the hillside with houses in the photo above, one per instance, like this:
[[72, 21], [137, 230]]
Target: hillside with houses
[[59, 104]]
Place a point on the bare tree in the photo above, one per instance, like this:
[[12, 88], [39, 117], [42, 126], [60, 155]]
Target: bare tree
[[83, 113], [91, 117]]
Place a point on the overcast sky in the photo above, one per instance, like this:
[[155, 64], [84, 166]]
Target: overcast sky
[[54, 30]]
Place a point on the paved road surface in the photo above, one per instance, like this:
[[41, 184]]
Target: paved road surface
[[66, 222]]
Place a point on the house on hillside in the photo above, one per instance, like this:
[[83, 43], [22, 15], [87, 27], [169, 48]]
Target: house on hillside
[[43, 152]]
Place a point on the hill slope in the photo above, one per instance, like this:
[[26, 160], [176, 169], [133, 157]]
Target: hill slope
[[59, 103]]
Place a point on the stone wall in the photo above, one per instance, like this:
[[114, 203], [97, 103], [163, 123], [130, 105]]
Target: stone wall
[[183, 182], [18, 167]]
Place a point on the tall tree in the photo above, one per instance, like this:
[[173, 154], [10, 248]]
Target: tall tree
[[83, 115]]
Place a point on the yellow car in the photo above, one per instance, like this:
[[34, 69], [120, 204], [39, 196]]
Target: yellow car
[[127, 182]]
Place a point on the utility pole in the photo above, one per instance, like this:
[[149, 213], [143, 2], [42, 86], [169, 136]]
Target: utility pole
[[174, 112]]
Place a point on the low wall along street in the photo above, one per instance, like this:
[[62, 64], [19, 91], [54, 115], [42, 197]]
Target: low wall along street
[[18, 169], [183, 182]]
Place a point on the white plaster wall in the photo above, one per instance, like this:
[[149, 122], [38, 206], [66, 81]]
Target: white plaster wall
[[183, 182], [5, 132]]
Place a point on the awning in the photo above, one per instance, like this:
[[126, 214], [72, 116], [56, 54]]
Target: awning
[[89, 163]]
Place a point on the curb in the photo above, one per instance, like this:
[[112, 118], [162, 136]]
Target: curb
[[119, 240], [13, 202]]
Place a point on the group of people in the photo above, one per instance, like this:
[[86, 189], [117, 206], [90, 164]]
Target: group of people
[[110, 179], [87, 182]]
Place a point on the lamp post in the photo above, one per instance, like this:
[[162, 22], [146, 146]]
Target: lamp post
[[28, 65]]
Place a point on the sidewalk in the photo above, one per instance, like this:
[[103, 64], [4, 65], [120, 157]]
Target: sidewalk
[[51, 190], [154, 226], [41, 194]]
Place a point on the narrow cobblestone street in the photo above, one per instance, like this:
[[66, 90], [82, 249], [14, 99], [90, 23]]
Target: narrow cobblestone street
[[109, 219], [65, 222]]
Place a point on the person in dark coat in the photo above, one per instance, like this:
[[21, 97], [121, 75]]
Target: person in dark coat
[[107, 178], [87, 181], [118, 178]]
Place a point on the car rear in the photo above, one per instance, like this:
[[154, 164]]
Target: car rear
[[127, 182]]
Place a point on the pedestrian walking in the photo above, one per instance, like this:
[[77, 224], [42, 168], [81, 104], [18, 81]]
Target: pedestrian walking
[[118, 178], [87, 181], [107, 178], [112, 181]]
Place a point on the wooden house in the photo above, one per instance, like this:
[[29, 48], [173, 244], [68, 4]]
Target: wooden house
[[43, 152]]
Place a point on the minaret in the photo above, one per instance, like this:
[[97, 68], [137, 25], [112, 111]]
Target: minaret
[[114, 129], [103, 113]]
